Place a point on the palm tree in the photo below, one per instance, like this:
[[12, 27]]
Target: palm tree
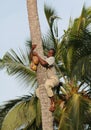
[[76, 56], [41, 72], [73, 97], [77, 48]]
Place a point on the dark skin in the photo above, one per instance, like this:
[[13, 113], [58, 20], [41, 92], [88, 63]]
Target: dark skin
[[33, 47], [43, 62]]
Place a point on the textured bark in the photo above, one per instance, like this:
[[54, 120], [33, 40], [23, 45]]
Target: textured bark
[[47, 119]]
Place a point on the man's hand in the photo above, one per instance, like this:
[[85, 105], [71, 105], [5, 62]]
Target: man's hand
[[35, 53], [33, 46]]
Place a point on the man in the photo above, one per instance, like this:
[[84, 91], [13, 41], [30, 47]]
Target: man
[[52, 78]]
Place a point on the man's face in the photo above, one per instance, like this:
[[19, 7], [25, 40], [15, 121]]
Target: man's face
[[50, 53]]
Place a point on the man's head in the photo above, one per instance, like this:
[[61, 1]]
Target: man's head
[[51, 52]]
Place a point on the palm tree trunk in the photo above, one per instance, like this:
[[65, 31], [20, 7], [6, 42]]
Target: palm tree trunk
[[47, 119]]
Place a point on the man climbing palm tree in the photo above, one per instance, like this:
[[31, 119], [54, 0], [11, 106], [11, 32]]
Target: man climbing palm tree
[[52, 78]]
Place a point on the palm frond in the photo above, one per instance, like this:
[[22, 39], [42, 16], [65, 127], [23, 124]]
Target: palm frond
[[63, 124], [80, 107], [49, 11], [33, 127], [48, 41], [86, 17], [37, 125], [83, 22], [19, 66], [38, 115], [51, 17], [82, 69], [75, 113], [4, 109], [1, 64], [78, 50], [29, 44], [22, 115], [77, 41]]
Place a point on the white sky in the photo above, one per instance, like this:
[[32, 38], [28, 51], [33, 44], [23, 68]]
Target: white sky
[[14, 31]]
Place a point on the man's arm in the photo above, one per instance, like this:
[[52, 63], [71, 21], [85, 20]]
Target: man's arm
[[41, 61]]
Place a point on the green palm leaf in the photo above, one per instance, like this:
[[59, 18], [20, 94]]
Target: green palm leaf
[[19, 66], [49, 12], [78, 105], [51, 16], [37, 125], [77, 42], [48, 41], [63, 124], [4, 109], [21, 115], [82, 69], [38, 114], [75, 114]]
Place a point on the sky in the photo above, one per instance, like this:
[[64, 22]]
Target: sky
[[14, 32]]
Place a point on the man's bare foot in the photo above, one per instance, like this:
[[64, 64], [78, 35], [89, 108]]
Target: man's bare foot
[[52, 107]]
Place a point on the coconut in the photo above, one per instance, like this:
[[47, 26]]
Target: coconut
[[33, 66], [35, 60]]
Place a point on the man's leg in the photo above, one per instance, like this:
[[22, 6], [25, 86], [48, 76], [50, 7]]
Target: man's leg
[[49, 84], [52, 107]]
